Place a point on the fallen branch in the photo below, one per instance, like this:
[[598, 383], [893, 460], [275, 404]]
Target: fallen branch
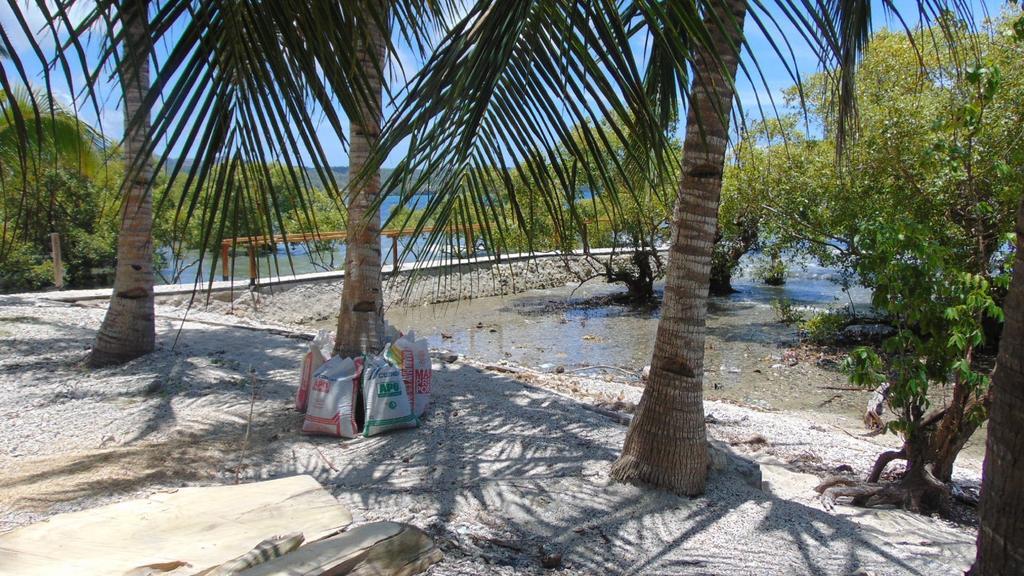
[[603, 367], [496, 542], [248, 427], [326, 461]]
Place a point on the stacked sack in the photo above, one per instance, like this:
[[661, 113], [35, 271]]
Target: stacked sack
[[370, 395]]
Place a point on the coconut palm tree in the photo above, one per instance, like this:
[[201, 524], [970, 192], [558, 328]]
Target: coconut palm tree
[[666, 444], [54, 134], [129, 329], [239, 86], [507, 90], [361, 319]]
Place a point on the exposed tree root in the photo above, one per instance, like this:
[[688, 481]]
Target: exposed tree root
[[883, 460], [918, 491]]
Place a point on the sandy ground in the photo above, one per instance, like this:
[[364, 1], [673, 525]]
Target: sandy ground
[[505, 469]]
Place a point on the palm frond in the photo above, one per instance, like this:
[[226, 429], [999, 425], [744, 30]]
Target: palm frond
[[530, 90]]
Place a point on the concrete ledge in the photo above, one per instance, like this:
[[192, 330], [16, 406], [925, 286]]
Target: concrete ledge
[[230, 285]]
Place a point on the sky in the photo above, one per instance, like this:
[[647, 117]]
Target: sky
[[765, 84]]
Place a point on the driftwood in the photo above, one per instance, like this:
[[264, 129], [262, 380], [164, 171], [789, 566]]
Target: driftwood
[[876, 406], [370, 550]]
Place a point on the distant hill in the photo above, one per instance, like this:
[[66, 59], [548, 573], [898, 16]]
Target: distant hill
[[340, 172]]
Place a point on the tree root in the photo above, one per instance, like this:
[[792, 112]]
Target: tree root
[[917, 492], [861, 493], [883, 460]]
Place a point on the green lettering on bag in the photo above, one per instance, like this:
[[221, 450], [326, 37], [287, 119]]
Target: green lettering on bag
[[389, 388]]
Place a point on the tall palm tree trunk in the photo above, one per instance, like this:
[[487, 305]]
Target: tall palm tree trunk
[[666, 445], [361, 320], [1001, 536], [128, 330]]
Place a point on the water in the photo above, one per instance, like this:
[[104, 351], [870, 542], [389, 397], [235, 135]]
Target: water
[[574, 327], [285, 260]]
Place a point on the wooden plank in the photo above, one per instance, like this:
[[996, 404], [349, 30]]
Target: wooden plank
[[373, 549], [224, 272], [58, 261], [202, 527]]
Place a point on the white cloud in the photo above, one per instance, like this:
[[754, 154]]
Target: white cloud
[[36, 22]]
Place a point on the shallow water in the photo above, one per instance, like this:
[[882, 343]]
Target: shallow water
[[563, 328]]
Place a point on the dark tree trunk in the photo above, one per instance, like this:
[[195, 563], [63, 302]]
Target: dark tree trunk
[[639, 278], [726, 257], [1001, 536]]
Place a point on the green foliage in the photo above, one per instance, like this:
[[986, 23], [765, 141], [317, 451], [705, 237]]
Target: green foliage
[[771, 271], [918, 209], [824, 327], [53, 181], [24, 270], [938, 309], [84, 211], [785, 311]]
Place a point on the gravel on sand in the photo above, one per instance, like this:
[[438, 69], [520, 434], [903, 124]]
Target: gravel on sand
[[506, 475]]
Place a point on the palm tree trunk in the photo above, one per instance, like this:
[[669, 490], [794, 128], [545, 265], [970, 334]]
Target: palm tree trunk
[[361, 320], [1001, 536], [666, 445], [128, 330]]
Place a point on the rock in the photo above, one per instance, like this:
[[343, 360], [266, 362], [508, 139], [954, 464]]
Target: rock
[[551, 561], [724, 460], [446, 357], [645, 374], [559, 369], [843, 469], [864, 333]]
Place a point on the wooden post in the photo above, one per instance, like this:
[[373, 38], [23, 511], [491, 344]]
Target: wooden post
[[252, 263], [394, 252], [58, 262], [223, 261]]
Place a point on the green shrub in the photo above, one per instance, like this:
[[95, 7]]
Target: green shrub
[[824, 327], [785, 311], [24, 270], [772, 272]]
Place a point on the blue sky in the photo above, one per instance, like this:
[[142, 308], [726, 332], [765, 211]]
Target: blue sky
[[776, 77]]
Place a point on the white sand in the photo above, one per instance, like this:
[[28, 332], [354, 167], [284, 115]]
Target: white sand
[[499, 470]]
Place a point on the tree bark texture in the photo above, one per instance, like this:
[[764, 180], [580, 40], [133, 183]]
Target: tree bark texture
[[666, 445], [128, 329], [1001, 536], [361, 320]]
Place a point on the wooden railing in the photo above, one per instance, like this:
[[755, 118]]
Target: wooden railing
[[252, 242]]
